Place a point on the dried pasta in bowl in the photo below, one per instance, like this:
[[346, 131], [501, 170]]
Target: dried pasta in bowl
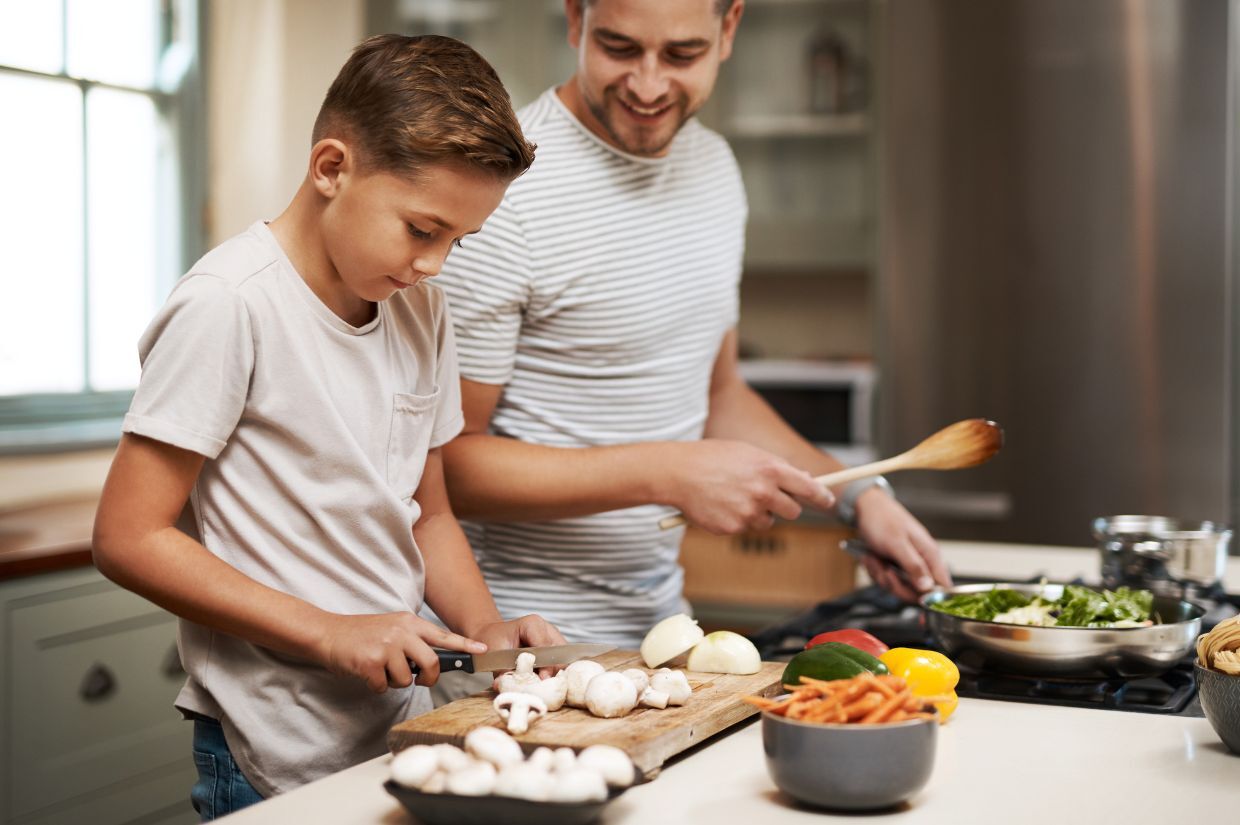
[[1220, 648]]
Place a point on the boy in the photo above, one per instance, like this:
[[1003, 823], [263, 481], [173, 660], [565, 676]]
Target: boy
[[301, 412]]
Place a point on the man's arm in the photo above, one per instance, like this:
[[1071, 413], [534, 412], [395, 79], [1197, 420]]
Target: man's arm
[[737, 411], [724, 486]]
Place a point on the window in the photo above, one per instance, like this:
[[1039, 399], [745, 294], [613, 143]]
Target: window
[[102, 106]]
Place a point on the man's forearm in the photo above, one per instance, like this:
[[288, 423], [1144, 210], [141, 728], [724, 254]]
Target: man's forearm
[[737, 412], [503, 479]]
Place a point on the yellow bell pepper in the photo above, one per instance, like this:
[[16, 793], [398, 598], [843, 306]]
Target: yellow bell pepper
[[927, 673]]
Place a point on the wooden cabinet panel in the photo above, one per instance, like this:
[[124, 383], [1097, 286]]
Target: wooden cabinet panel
[[790, 565]]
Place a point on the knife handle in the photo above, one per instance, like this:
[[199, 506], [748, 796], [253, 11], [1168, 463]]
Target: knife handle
[[449, 660]]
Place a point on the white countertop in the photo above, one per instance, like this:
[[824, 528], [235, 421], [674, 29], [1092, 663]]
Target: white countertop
[[1006, 761]]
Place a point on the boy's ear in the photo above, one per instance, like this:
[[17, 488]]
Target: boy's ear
[[330, 162]]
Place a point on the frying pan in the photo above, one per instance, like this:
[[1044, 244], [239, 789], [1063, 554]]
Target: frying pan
[[1064, 652]]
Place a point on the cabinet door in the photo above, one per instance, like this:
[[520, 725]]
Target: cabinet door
[[90, 676], [790, 565]]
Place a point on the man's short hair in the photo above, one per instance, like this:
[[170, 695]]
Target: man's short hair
[[405, 103]]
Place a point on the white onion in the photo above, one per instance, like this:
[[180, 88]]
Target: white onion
[[725, 652], [669, 638]]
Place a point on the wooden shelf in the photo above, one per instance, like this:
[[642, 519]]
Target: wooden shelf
[[800, 126], [802, 244]]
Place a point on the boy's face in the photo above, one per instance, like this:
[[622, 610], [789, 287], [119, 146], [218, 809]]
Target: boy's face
[[644, 67], [384, 233]]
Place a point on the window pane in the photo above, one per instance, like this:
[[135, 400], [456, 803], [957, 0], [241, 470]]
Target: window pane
[[124, 151], [41, 222], [30, 36], [116, 41]]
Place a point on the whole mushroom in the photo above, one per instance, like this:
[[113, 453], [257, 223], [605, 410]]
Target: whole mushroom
[[579, 674], [413, 766], [524, 781], [519, 710], [579, 785], [476, 779], [493, 745], [610, 695], [613, 764]]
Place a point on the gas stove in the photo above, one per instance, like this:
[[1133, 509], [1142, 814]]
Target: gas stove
[[900, 625]]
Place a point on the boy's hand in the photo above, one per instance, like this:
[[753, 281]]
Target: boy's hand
[[377, 649], [528, 631]]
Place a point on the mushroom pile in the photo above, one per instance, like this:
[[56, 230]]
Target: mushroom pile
[[492, 763], [524, 697]]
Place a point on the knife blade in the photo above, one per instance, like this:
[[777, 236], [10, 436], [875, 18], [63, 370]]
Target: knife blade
[[450, 660]]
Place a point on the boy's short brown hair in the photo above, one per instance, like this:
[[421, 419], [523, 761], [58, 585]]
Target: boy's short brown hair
[[408, 102]]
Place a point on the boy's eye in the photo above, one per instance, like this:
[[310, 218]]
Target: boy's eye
[[418, 233]]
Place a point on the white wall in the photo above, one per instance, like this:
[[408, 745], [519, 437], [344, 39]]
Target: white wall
[[269, 63]]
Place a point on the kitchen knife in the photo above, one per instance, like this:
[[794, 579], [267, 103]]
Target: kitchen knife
[[450, 660]]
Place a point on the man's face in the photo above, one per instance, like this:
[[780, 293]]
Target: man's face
[[644, 67], [384, 233]]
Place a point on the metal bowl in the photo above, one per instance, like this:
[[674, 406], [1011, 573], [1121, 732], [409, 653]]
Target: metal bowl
[[1173, 558], [1064, 652]]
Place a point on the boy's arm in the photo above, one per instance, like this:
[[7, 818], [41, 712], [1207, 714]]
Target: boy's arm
[[137, 545], [454, 586]]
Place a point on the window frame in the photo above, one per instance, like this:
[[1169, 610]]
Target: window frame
[[60, 422]]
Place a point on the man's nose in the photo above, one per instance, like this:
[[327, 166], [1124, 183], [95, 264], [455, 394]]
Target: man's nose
[[647, 82]]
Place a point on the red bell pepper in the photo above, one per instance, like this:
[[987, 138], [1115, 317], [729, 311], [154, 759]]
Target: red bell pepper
[[850, 636]]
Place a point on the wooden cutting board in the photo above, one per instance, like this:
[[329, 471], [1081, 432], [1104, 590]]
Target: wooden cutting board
[[648, 735]]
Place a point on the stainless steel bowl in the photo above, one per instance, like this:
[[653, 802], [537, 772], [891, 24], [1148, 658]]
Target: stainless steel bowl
[[1177, 559], [1064, 652]]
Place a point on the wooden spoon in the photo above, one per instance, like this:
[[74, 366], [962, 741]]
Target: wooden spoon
[[963, 444]]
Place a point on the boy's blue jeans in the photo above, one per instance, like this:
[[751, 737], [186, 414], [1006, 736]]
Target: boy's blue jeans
[[221, 787]]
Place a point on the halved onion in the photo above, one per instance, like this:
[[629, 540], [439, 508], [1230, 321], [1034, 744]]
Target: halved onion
[[670, 638], [725, 652]]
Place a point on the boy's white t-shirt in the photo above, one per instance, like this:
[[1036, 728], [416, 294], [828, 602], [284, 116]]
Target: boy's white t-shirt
[[316, 434]]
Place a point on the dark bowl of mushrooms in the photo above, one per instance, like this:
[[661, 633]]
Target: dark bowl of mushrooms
[[493, 780]]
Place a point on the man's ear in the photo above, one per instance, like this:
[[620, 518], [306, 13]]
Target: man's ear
[[330, 162], [574, 11], [731, 19]]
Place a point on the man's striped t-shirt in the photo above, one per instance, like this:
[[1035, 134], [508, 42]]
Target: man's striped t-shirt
[[598, 295]]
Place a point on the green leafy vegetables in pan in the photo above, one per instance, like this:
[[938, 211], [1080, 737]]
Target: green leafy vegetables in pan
[[1077, 607]]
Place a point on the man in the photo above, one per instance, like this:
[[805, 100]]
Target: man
[[596, 325]]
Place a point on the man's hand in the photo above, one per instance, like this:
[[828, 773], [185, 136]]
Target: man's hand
[[728, 487], [893, 533], [377, 649]]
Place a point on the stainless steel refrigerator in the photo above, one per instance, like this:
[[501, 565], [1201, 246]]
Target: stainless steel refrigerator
[[1057, 252]]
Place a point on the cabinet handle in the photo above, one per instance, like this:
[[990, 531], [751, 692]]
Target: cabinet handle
[[97, 684], [171, 666]]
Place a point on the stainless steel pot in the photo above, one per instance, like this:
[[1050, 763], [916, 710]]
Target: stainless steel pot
[[1064, 652], [1182, 560]]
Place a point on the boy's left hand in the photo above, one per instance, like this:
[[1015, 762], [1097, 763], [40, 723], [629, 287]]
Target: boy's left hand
[[530, 630]]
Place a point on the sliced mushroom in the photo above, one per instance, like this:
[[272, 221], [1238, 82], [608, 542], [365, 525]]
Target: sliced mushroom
[[552, 691], [579, 674], [672, 682], [610, 695], [519, 710]]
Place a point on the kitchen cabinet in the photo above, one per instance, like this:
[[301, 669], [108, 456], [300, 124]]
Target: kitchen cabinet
[[88, 674], [749, 581]]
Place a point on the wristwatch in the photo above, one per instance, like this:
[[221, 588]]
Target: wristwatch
[[846, 505]]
